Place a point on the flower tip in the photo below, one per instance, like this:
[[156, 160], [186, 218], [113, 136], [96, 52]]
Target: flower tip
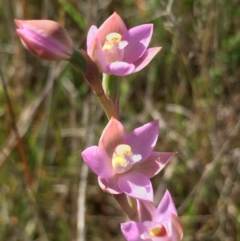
[[17, 22], [167, 194], [115, 13], [159, 48]]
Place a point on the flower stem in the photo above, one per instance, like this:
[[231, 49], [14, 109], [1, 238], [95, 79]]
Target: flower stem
[[89, 69], [123, 202], [111, 86], [108, 106]]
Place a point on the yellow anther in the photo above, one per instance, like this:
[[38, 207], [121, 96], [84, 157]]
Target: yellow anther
[[158, 231], [107, 46], [118, 162], [122, 150], [114, 38]]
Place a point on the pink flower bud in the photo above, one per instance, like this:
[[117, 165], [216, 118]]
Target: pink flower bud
[[45, 38]]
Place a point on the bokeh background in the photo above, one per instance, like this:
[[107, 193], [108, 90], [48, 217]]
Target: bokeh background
[[192, 87]]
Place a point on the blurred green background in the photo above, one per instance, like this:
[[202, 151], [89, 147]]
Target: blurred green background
[[192, 86]]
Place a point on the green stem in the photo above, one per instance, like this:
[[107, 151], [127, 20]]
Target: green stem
[[122, 200], [132, 203], [112, 86], [108, 96], [107, 106]]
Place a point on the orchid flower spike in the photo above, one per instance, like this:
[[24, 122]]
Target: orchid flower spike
[[155, 224], [117, 50], [45, 38], [125, 162]]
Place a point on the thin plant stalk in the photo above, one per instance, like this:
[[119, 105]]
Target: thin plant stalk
[[20, 147]]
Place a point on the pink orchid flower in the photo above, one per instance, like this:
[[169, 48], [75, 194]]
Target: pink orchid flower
[[117, 50], [45, 38], [125, 162], [156, 224]]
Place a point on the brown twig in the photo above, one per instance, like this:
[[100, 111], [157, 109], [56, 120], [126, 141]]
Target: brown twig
[[15, 129]]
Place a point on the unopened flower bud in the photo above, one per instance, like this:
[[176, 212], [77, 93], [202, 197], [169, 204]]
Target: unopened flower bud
[[45, 38]]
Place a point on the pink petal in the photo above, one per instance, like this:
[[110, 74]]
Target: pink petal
[[120, 68], [113, 24], [112, 135], [146, 58], [138, 39], [154, 164], [177, 230], [98, 161], [136, 185], [133, 230], [143, 139], [98, 55], [109, 185], [165, 208], [91, 33], [146, 210]]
